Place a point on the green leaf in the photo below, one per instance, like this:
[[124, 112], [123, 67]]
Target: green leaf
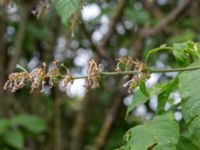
[[179, 52], [155, 89], [186, 52], [164, 94], [185, 36], [190, 93], [37, 32], [14, 138], [4, 125], [66, 8], [137, 16], [139, 98], [33, 124], [185, 144], [161, 133], [143, 88], [155, 50]]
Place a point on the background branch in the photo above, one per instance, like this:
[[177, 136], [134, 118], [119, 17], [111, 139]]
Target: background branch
[[116, 16], [19, 38], [168, 19]]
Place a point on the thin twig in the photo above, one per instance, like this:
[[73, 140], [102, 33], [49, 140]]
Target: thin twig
[[149, 70]]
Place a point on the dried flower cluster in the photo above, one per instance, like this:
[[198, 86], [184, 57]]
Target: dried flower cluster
[[17, 81], [53, 73], [94, 74], [68, 80], [124, 63], [41, 9], [138, 76], [38, 78]]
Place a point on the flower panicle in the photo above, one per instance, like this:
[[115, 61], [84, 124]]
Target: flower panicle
[[139, 76], [124, 63], [17, 81], [94, 74], [68, 80], [41, 9], [38, 78]]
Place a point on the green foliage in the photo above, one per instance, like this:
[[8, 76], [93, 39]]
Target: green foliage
[[155, 50], [14, 138], [139, 98], [185, 36], [186, 52], [66, 8], [186, 144], [37, 32], [33, 124], [30, 40], [160, 133], [143, 88], [138, 16], [164, 94], [163, 128], [189, 90], [4, 124], [155, 89], [11, 130]]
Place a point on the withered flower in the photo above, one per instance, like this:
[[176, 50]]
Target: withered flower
[[41, 9], [139, 76], [38, 76], [53, 73], [94, 74], [124, 63], [138, 66], [17, 81], [68, 81]]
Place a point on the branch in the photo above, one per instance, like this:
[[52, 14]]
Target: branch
[[148, 70], [99, 51], [3, 54], [152, 8], [19, 39], [138, 38], [117, 14], [108, 121], [78, 130], [57, 120], [168, 19]]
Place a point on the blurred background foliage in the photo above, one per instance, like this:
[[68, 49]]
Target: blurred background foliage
[[105, 30]]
